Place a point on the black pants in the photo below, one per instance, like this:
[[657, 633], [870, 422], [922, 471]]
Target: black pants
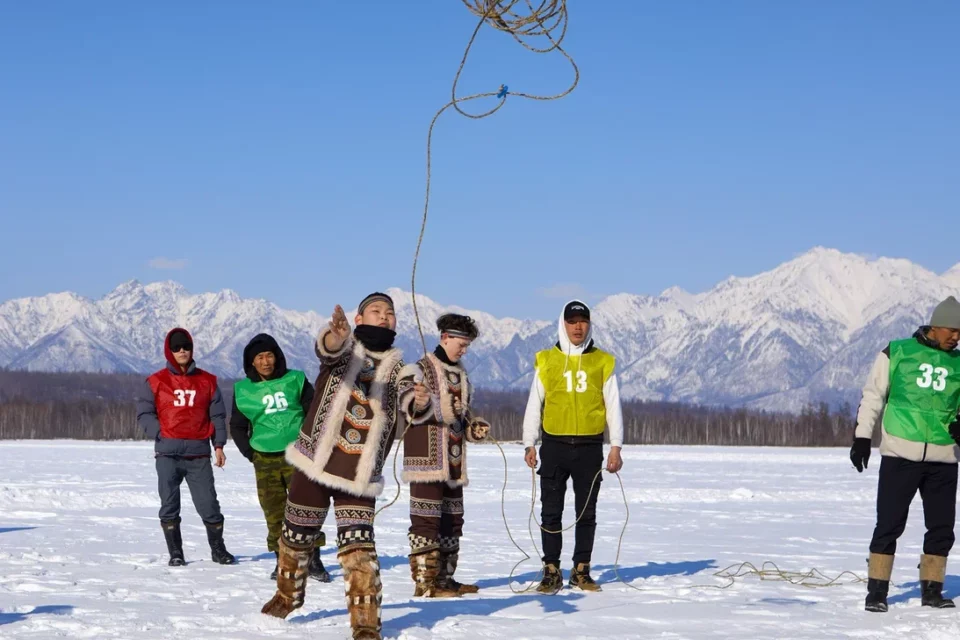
[[198, 472], [560, 461], [899, 481]]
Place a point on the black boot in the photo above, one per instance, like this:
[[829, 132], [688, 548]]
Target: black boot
[[273, 576], [877, 595], [933, 570], [218, 552], [880, 569], [316, 569], [931, 595], [171, 532]]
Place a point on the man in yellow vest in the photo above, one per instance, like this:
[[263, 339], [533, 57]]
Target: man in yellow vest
[[573, 399]]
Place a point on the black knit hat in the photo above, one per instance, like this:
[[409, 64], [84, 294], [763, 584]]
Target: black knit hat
[[376, 296], [576, 309]]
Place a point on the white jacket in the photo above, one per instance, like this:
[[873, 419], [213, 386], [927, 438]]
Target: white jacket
[[870, 415], [533, 415]]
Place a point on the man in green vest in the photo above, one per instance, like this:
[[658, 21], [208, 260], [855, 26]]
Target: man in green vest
[[573, 399], [913, 390], [268, 410]]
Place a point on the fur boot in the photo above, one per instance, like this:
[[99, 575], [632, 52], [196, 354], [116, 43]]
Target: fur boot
[[448, 566], [425, 571], [361, 577], [291, 581]]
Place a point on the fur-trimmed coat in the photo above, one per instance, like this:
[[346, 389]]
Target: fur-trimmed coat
[[352, 421], [433, 447]]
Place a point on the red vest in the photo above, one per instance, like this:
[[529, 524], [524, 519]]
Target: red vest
[[183, 403]]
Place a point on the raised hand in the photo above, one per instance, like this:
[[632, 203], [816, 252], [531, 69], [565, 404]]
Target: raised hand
[[339, 330]]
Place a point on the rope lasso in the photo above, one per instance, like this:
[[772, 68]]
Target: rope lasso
[[814, 578], [768, 571], [541, 22], [504, 15]]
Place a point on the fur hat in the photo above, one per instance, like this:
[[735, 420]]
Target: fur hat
[[376, 296], [457, 325]]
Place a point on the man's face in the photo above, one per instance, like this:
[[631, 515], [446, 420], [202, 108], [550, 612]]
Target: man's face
[[183, 356], [577, 328], [948, 339], [378, 314], [455, 346], [265, 363]]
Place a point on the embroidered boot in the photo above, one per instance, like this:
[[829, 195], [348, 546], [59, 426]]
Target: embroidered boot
[[361, 576], [448, 566], [291, 581], [425, 570]]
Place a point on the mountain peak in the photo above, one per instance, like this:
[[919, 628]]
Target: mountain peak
[[952, 276], [166, 287], [808, 328]]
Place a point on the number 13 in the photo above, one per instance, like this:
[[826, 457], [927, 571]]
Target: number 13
[[581, 381]]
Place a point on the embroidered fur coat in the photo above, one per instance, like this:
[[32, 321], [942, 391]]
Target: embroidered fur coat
[[433, 447], [352, 421]]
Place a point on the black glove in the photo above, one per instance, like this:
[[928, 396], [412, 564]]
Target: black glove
[[860, 453], [955, 431]]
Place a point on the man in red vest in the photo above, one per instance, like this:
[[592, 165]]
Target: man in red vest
[[181, 410]]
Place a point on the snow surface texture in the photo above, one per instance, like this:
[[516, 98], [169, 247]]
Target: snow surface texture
[[805, 331], [82, 554]]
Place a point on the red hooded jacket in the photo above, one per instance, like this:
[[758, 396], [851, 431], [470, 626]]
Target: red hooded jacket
[[183, 397]]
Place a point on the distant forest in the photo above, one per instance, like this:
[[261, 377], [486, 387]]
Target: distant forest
[[97, 406]]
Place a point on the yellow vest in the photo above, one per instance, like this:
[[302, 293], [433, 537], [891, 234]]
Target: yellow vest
[[573, 400]]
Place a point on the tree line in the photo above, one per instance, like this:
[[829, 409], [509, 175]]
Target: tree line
[[94, 406]]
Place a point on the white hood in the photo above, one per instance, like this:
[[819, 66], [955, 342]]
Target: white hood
[[565, 345]]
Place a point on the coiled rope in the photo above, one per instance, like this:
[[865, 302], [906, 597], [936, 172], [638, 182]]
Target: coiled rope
[[524, 25]]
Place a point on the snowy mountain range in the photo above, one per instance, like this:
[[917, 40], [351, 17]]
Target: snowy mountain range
[[805, 331]]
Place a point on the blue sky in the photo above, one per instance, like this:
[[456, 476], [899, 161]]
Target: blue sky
[[278, 149]]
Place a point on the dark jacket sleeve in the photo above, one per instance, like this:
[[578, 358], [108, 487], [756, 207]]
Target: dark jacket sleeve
[[240, 431], [306, 396], [218, 415], [147, 413]]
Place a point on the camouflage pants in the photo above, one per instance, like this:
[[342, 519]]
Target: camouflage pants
[[273, 474]]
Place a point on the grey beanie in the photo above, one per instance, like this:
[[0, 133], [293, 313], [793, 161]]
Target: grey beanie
[[947, 314]]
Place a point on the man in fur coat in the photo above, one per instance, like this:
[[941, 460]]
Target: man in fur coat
[[339, 457], [435, 461]]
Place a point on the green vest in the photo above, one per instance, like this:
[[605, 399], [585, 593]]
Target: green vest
[[573, 403], [273, 408], [924, 392]]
